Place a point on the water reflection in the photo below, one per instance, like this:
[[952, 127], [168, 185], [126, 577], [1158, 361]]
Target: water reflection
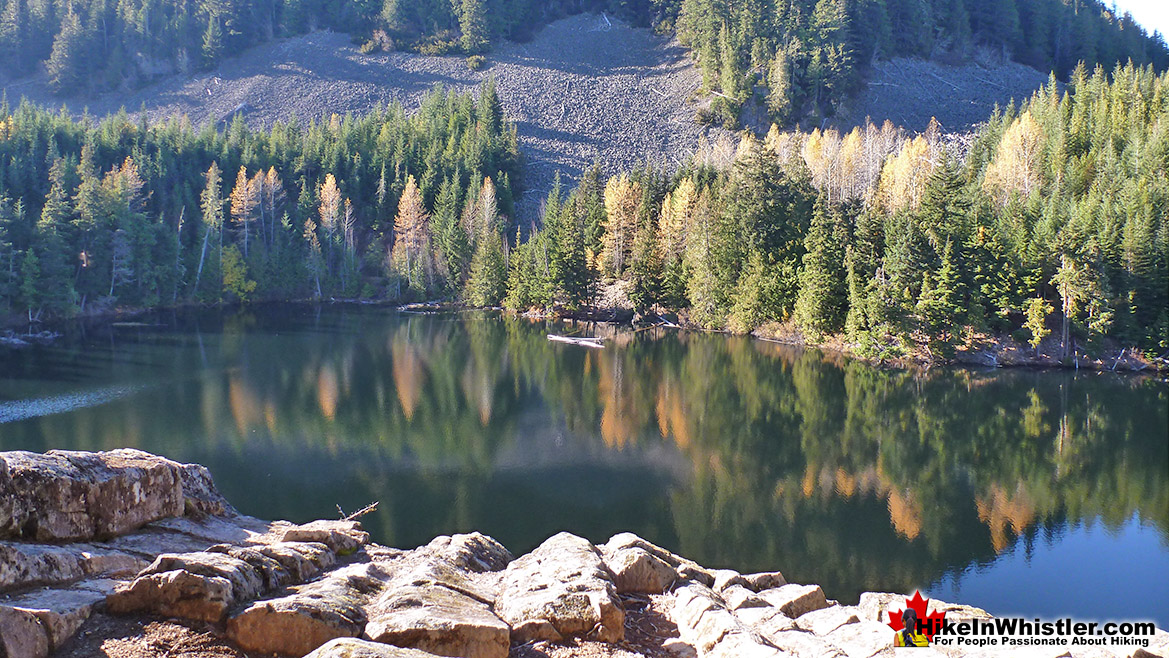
[[733, 451]]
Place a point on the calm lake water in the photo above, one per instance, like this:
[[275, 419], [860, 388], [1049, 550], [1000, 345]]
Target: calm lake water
[[1040, 493]]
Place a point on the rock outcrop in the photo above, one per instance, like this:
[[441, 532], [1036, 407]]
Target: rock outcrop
[[322, 590], [562, 589]]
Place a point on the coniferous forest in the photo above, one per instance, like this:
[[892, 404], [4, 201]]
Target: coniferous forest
[[1052, 219], [794, 58]]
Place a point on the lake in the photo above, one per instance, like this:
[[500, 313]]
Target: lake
[[1041, 493]]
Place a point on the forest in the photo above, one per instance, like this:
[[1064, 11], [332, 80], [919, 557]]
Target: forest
[[1057, 207], [97, 214], [1052, 219], [789, 59]]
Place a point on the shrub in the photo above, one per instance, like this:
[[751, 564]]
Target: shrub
[[475, 62]]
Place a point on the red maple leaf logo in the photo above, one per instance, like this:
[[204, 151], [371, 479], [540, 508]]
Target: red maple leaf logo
[[931, 622]]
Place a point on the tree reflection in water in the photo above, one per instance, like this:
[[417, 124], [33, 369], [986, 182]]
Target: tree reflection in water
[[733, 451]]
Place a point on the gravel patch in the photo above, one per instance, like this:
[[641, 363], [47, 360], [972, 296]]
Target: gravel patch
[[909, 92], [586, 89]]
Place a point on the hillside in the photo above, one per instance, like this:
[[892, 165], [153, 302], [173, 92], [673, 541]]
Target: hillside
[[909, 92], [585, 89]]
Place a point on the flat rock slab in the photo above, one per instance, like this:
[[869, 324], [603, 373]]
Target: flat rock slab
[[862, 639], [796, 600], [439, 620], [70, 496], [826, 620], [561, 589], [806, 645], [198, 585], [342, 537], [310, 615], [354, 648], [705, 623], [60, 611], [24, 565]]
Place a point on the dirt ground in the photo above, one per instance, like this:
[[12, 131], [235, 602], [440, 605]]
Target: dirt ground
[[647, 626]]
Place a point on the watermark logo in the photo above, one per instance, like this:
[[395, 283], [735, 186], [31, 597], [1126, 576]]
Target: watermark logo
[[915, 625]]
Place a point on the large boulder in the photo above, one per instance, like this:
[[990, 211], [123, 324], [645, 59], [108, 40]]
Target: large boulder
[[309, 615], [71, 496], [439, 620], [686, 569], [440, 599], [201, 585], [473, 552], [796, 600], [636, 570], [561, 589]]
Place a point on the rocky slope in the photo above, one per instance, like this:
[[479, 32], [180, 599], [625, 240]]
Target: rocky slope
[[586, 89], [129, 555]]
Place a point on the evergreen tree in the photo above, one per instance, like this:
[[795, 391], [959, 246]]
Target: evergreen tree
[[473, 25], [820, 304], [486, 285], [66, 65]]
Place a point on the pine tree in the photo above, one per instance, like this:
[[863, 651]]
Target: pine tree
[[66, 65], [55, 272], [486, 285], [473, 25], [454, 247], [645, 268], [820, 304], [212, 47]]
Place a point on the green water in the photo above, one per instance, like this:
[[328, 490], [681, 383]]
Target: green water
[[1042, 493]]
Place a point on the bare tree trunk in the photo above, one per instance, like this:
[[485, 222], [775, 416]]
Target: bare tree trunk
[[202, 255]]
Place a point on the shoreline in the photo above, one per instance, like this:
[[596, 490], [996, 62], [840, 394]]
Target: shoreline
[[989, 351]]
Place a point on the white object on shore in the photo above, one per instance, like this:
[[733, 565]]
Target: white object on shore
[[575, 340]]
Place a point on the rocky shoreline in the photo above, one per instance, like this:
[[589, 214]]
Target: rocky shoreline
[[107, 553]]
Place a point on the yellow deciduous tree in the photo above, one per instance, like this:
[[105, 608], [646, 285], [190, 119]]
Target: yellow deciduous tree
[[622, 197], [245, 198], [411, 253], [905, 175], [1016, 164]]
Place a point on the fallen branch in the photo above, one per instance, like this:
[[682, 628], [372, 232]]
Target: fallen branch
[[372, 507], [942, 79]]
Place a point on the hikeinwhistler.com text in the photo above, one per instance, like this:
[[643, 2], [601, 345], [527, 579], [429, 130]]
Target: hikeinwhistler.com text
[[1019, 632]]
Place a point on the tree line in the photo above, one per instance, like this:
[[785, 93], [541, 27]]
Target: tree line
[[793, 58], [1054, 216], [117, 212], [799, 58]]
